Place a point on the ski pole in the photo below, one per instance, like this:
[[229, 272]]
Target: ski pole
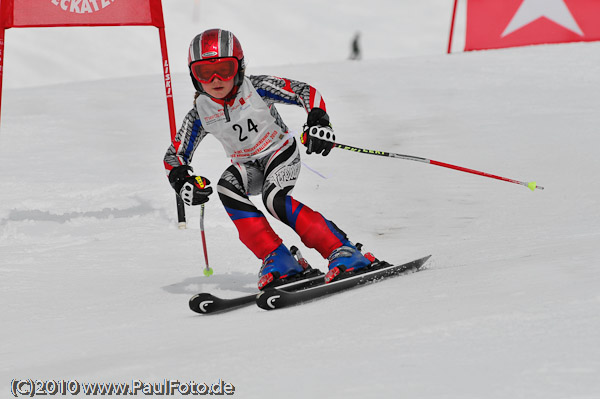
[[207, 269], [531, 185]]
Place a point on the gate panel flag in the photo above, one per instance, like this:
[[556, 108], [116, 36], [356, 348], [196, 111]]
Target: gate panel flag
[[46, 13], [510, 23]]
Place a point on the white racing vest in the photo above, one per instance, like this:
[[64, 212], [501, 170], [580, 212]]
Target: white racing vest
[[246, 128]]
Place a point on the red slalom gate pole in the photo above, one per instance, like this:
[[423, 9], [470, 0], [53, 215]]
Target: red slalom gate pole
[[171, 110], [531, 185], [2, 30], [452, 27]]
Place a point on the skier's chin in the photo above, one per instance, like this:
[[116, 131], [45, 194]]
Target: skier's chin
[[219, 92]]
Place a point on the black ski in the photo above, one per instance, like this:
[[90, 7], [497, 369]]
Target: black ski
[[206, 303], [279, 297]]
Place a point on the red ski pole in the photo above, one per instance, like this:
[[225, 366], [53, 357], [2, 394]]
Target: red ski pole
[[207, 269], [531, 185]]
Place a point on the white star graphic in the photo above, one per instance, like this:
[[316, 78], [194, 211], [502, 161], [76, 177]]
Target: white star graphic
[[554, 10]]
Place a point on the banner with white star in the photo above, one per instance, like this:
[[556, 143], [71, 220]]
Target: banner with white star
[[510, 23]]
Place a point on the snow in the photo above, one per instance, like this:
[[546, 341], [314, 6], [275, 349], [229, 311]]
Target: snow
[[289, 32], [95, 276]]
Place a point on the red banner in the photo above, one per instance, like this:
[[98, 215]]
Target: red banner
[[44, 13], [511, 23]]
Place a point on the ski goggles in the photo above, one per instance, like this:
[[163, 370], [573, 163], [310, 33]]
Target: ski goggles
[[206, 70]]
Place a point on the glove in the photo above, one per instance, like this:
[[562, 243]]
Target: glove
[[193, 190], [318, 134]]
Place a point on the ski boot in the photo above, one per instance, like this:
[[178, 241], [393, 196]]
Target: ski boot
[[278, 265], [346, 258]]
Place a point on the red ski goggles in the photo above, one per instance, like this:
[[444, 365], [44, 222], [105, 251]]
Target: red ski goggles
[[206, 70]]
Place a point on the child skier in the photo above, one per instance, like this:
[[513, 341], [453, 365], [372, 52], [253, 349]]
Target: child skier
[[240, 112]]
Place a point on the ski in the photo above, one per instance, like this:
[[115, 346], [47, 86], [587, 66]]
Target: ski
[[205, 303], [208, 303], [279, 297]]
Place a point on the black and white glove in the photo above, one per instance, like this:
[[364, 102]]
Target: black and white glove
[[318, 134], [193, 190]]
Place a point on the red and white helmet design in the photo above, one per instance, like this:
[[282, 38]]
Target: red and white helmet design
[[215, 43]]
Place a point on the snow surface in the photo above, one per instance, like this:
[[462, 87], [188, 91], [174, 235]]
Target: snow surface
[[272, 33], [95, 276]]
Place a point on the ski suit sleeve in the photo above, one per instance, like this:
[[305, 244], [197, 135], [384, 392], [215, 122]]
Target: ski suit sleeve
[[287, 91], [186, 141]]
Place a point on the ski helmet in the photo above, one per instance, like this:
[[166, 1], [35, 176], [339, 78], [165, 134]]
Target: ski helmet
[[216, 43]]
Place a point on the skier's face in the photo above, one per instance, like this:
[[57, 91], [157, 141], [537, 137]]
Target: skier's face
[[218, 88]]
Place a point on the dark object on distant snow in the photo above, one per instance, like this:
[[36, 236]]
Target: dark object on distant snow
[[355, 54]]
